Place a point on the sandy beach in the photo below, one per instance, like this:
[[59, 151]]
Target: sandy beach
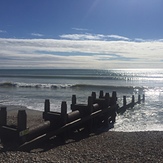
[[100, 146]]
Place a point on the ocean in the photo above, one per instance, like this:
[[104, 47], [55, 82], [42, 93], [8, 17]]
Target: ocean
[[30, 88]]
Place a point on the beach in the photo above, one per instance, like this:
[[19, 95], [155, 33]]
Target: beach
[[137, 135], [100, 146], [30, 88]]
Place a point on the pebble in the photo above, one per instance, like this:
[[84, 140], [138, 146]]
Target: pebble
[[106, 147]]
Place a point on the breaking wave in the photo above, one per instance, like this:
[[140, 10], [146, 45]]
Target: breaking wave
[[57, 86]]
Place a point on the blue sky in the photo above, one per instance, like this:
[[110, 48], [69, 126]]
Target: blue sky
[[81, 34]]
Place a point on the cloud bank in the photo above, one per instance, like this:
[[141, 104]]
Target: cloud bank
[[81, 51]]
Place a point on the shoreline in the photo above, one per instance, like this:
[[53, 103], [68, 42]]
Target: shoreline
[[101, 146]]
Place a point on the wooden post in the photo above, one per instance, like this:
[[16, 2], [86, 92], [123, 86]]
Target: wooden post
[[90, 107], [101, 94], [94, 96], [124, 100], [47, 106], [3, 116], [90, 104], [139, 99], [106, 116], [114, 98], [107, 99], [133, 100], [22, 120], [64, 112], [143, 98], [73, 100], [113, 117]]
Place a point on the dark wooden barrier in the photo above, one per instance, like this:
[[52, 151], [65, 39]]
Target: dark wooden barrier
[[84, 109], [126, 106], [12, 133], [97, 111], [36, 131]]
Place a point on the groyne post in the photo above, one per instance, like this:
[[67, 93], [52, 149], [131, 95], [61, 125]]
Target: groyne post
[[107, 99], [21, 120], [73, 100], [101, 94], [64, 112], [133, 100], [143, 98], [3, 116], [90, 104], [90, 107], [93, 96], [107, 102], [139, 99], [114, 98], [124, 101], [47, 106]]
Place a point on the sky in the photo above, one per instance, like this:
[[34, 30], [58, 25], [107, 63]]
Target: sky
[[94, 34]]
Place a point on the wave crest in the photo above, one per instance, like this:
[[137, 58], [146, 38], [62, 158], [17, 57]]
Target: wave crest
[[8, 84], [63, 86]]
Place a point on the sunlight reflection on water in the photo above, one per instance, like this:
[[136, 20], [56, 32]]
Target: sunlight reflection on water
[[145, 117]]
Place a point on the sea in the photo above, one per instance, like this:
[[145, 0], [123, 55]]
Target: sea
[[30, 88]]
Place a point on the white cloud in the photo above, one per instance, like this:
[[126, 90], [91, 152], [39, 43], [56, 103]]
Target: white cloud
[[139, 39], [2, 31], [118, 37], [89, 36], [54, 53], [161, 40], [80, 29], [37, 34], [80, 37]]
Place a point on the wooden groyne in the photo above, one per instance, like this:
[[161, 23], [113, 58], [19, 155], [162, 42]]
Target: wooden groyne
[[131, 104], [101, 110]]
